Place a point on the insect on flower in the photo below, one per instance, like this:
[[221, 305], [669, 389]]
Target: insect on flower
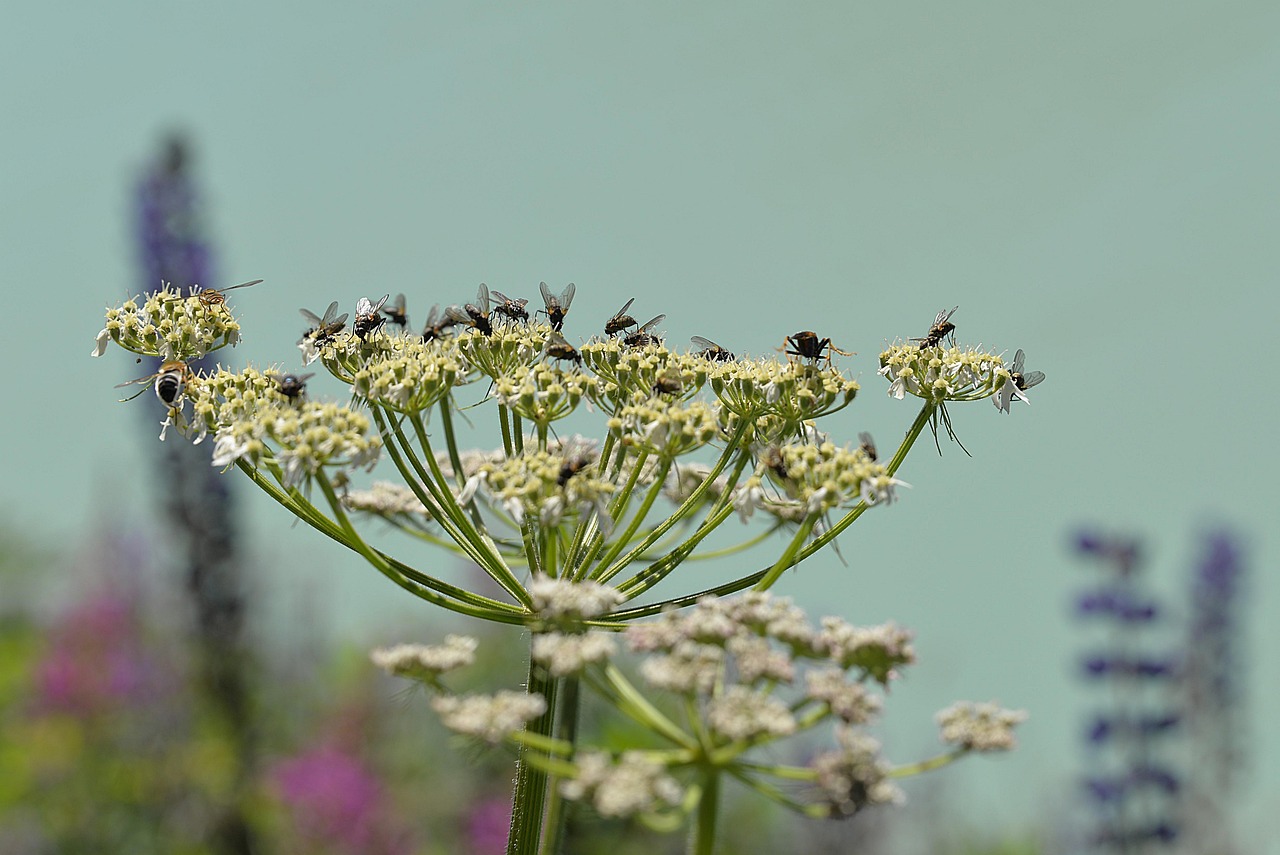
[[942, 327], [1021, 380], [620, 320], [711, 350], [868, 445], [368, 317], [474, 315], [323, 329], [644, 336], [436, 324], [556, 307], [668, 383], [292, 386], [575, 461], [558, 348], [211, 297], [510, 307], [396, 312], [806, 345], [170, 382]]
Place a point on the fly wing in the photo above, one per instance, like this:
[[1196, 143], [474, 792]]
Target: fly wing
[[1018, 359], [1032, 378], [651, 324], [548, 298], [566, 297], [705, 343], [623, 310], [482, 298], [458, 315]]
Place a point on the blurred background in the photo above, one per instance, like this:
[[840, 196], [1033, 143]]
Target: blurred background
[[1097, 184]]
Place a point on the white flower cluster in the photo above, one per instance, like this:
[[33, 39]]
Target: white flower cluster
[[632, 784], [488, 717], [980, 726], [542, 393], [569, 653], [668, 429], [170, 326], [942, 374], [544, 485], [855, 776], [426, 662], [561, 600], [410, 379]]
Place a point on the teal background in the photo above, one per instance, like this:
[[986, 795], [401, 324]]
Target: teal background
[[1095, 182]]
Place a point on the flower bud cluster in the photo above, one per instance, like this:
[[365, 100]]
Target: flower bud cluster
[[629, 375], [540, 484], [667, 429], [542, 393], [855, 776], [169, 326], [631, 784], [825, 476], [942, 374], [306, 437], [386, 499], [426, 662], [488, 717], [507, 348], [793, 392], [410, 378]]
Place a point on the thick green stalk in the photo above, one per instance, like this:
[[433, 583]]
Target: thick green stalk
[[557, 819], [529, 802], [703, 839]]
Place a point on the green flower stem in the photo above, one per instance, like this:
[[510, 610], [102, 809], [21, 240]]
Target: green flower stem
[[620, 543], [298, 505], [734, 550], [549, 746], [566, 732], [451, 440], [703, 839], [583, 562], [632, 703], [503, 422], [428, 491], [517, 428], [771, 792], [658, 570], [529, 801], [627, 615], [447, 500], [926, 413], [790, 555], [352, 540], [691, 502], [927, 765], [492, 563], [529, 531]]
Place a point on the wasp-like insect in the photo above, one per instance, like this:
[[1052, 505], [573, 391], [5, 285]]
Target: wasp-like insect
[[711, 350], [292, 386], [771, 457], [868, 446], [510, 307], [556, 307], [322, 330], [475, 315], [396, 312], [806, 345], [211, 297], [558, 348], [644, 336], [170, 382], [668, 382], [1021, 380], [576, 458], [436, 324], [942, 327], [620, 320], [368, 317]]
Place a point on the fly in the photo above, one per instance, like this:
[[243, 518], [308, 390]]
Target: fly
[[620, 320], [510, 307], [942, 327], [474, 315], [368, 318], [556, 307], [806, 345], [711, 350], [396, 312], [643, 337]]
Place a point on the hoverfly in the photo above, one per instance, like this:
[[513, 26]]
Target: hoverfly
[[711, 350], [942, 327], [474, 315], [668, 382], [292, 386], [512, 308], [774, 462], [396, 312], [368, 318], [210, 297], [323, 329], [868, 446], [436, 324], [1018, 382], [644, 336], [170, 382], [1021, 380], [558, 348], [807, 345], [556, 307], [620, 320]]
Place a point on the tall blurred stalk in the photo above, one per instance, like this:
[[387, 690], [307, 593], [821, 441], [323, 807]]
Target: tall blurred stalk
[[198, 505]]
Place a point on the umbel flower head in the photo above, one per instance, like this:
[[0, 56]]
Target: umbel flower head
[[168, 326], [940, 374]]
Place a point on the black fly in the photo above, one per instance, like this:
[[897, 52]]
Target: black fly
[[942, 327], [292, 386], [558, 348], [644, 336], [396, 312], [368, 318], [806, 345], [868, 445], [323, 330], [436, 324], [711, 350], [556, 307], [620, 320], [475, 315], [510, 307]]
